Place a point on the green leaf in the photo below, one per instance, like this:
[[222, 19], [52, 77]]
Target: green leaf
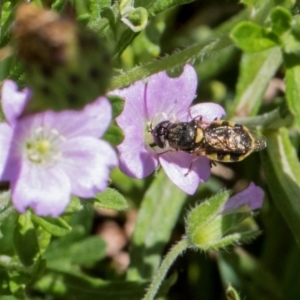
[[44, 239], [63, 243], [290, 43], [73, 249], [292, 75], [7, 228], [72, 286], [256, 71], [88, 251], [237, 238], [74, 206], [117, 104], [109, 16], [58, 254], [110, 199], [25, 240], [113, 135], [281, 20], [6, 66], [55, 226], [38, 269], [82, 11], [158, 214], [136, 18], [251, 37], [291, 281], [8, 220], [17, 284], [153, 7], [206, 229], [161, 5], [282, 171], [231, 293], [276, 118], [4, 286], [247, 274], [250, 3], [215, 65], [202, 214], [5, 205]]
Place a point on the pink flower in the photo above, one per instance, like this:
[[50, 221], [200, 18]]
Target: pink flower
[[48, 156], [252, 197], [146, 104]]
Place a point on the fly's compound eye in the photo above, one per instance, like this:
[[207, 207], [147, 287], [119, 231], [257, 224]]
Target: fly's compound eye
[[160, 132]]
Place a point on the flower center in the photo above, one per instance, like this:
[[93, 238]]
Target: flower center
[[44, 146]]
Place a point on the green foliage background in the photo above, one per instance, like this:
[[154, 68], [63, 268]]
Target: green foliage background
[[239, 49]]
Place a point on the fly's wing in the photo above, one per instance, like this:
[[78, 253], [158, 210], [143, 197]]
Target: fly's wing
[[226, 141], [260, 141], [66, 66]]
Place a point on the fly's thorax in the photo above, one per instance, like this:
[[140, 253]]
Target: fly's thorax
[[183, 135]]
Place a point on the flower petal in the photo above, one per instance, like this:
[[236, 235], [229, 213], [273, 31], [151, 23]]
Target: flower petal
[[136, 160], [5, 141], [87, 162], [208, 111], [13, 100], [252, 196], [185, 170], [171, 95], [93, 120], [46, 190], [134, 112]]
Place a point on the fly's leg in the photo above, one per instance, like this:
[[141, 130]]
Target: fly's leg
[[191, 164], [211, 162]]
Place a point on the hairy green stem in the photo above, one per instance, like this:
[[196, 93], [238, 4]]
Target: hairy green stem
[[201, 51], [164, 267]]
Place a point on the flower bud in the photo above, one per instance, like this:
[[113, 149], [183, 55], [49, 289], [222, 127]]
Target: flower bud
[[213, 223]]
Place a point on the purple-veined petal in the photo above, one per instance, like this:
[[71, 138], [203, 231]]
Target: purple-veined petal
[[5, 140], [134, 133], [46, 190], [87, 162], [170, 95], [185, 170], [252, 196], [13, 100], [99, 117], [208, 111], [136, 160], [134, 112], [93, 120], [23, 129]]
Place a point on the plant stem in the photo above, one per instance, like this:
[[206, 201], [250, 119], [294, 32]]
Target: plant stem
[[201, 51], [164, 267]]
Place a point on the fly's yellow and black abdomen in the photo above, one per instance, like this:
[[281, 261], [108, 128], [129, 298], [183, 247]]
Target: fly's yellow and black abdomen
[[227, 141], [223, 141]]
